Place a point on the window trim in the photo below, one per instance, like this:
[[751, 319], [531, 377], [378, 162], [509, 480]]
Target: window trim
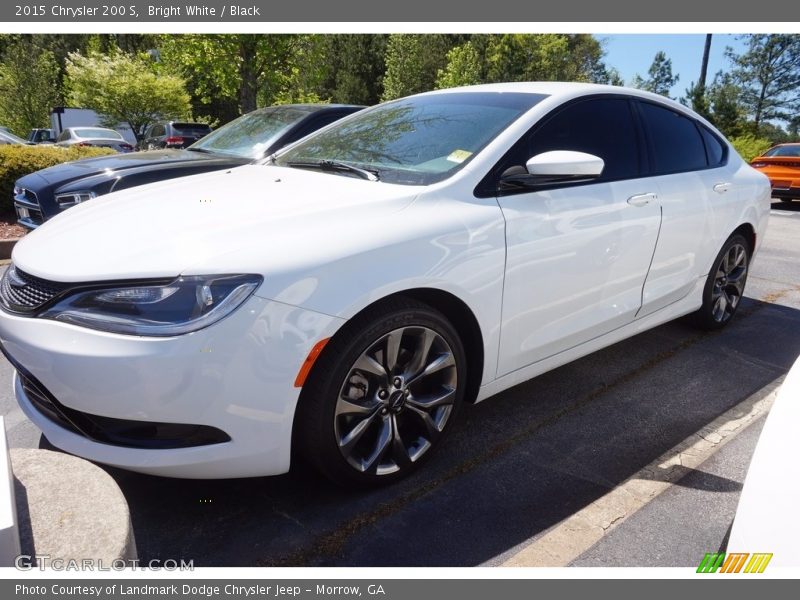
[[488, 186]]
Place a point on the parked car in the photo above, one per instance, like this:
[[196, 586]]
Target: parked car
[[347, 297], [99, 137], [44, 194], [8, 138], [781, 164], [765, 517], [43, 136], [174, 135]]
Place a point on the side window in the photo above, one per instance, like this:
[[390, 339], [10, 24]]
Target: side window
[[674, 139], [63, 136], [600, 126], [158, 130], [715, 149], [149, 132]]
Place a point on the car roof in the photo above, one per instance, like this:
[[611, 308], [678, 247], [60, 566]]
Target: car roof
[[566, 90]]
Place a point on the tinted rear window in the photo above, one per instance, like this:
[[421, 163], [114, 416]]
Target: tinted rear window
[[714, 148], [108, 134], [191, 128], [674, 139], [784, 151]]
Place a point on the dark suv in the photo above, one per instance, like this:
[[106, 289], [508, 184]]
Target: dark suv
[[173, 135]]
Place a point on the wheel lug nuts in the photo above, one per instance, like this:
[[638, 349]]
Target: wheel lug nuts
[[382, 394], [384, 411], [397, 382], [407, 393]]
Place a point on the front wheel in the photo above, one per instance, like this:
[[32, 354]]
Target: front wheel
[[725, 284], [382, 395]]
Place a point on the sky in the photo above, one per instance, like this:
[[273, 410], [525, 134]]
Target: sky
[[633, 53]]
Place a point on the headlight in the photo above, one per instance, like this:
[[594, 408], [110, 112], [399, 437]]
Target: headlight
[[70, 198], [181, 306], [758, 165]]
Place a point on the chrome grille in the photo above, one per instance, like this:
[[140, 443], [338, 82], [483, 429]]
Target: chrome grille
[[23, 293]]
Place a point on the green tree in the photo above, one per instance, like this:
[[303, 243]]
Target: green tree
[[697, 99], [526, 57], [354, 67], [28, 86], [769, 76], [726, 110], [413, 62], [659, 76], [231, 74], [125, 89], [463, 68]]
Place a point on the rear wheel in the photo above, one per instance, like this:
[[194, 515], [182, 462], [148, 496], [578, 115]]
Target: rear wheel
[[725, 284], [382, 395]]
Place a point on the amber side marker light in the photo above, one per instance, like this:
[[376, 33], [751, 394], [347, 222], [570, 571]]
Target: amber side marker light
[[312, 357]]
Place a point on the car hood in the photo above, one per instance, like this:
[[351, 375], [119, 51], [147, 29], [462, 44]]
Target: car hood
[[70, 171], [246, 219]]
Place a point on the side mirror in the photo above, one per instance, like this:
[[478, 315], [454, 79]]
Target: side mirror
[[556, 166]]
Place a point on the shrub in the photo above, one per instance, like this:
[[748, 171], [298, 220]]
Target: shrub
[[18, 161], [749, 146]]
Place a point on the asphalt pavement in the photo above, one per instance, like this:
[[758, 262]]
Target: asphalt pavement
[[516, 465]]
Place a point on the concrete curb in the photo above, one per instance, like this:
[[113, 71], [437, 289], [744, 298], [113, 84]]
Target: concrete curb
[[69, 509], [6, 246]]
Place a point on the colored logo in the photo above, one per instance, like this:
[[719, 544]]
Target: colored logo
[[734, 562]]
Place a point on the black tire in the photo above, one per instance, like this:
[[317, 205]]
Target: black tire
[[324, 420], [725, 284]]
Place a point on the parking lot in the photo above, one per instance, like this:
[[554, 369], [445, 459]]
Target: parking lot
[[517, 465]]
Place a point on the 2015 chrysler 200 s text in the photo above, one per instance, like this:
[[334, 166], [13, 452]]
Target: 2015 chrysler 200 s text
[[348, 296]]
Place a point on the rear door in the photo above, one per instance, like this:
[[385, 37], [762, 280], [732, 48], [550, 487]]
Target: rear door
[[686, 185], [577, 253]]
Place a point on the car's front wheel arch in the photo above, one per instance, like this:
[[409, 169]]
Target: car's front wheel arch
[[403, 314]]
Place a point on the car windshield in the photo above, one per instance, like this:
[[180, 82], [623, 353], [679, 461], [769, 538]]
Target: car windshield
[[793, 151], [250, 135], [108, 134], [415, 141]]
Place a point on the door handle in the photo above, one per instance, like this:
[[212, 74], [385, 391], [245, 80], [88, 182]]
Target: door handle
[[641, 199], [721, 188]]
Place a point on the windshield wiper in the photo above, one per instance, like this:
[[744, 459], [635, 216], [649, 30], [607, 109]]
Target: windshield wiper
[[336, 166], [203, 150]]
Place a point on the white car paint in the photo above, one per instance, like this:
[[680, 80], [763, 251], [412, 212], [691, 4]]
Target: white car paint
[[766, 518], [547, 281]]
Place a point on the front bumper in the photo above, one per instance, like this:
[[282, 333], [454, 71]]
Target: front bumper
[[236, 376]]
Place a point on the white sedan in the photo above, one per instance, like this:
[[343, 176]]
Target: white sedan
[[347, 297]]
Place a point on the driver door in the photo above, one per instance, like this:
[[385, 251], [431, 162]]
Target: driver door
[[577, 253]]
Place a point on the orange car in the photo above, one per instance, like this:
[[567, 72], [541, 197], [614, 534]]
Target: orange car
[[781, 164]]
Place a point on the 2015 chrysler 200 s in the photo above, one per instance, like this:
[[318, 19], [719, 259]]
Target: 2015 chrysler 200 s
[[347, 297]]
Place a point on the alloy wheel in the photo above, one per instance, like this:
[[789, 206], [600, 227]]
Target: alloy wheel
[[395, 400], [729, 283]]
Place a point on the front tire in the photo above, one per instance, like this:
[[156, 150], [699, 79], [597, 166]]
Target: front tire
[[724, 287], [382, 395]]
